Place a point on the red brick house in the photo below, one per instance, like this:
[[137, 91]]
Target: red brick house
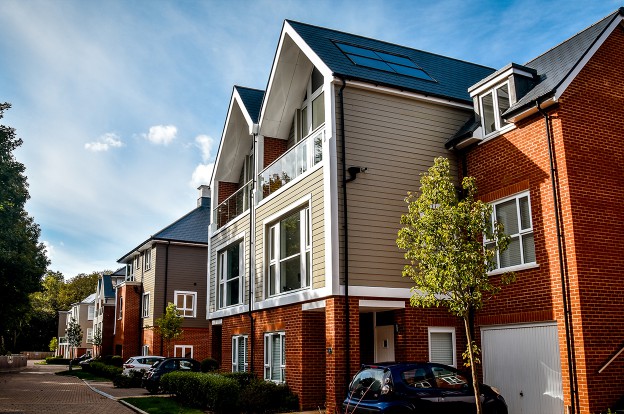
[[544, 147]]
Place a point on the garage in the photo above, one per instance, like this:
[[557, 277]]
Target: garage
[[523, 362]]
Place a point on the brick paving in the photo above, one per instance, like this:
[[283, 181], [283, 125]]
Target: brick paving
[[36, 390]]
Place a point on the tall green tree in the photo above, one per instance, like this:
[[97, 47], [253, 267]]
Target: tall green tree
[[77, 288], [74, 337], [23, 258], [443, 238], [169, 326]]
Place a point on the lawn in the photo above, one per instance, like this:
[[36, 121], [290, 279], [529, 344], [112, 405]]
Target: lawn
[[79, 373], [161, 405]]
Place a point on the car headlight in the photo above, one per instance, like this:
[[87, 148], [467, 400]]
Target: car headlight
[[385, 389]]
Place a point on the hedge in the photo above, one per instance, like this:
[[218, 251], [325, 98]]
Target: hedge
[[129, 381], [57, 361], [267, 397], [103, 370]]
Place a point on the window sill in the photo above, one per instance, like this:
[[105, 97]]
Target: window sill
[[517, 268], [497, 133]]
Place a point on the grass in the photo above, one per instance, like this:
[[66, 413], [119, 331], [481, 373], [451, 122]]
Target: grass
[[161, 405], [79, 373]]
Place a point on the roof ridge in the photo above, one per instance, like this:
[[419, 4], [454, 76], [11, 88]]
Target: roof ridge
[[389, 43], [249, 88], [176, 221], [611, 15]]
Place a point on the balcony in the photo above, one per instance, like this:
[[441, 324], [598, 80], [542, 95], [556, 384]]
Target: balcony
[[296, 161], [233, 206]]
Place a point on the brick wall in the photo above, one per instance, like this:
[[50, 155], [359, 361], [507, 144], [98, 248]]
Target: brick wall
[[226, 189], [273, 149], [198, 338], [127, 328]]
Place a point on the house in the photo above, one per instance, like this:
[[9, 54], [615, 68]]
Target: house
[[82, 313], [104, 320], [169, 266], [61, 338], [304, 275], [544, 148]]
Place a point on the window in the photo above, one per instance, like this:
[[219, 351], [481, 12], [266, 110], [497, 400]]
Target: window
[[186, 303], [289, 242], [120, 307], [493, 105], [230, 270], [91, 312], [147, 259], [129, 273], [146, 305], [239, 353], [137, 262], [449, 380], [383, 61], [275, 357], [145, 350], [515, 215], [312, 113], [185, 351], [89, 335], [442, 346]]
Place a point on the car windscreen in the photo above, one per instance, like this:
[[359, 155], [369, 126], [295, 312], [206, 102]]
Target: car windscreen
[[157, 363], [367, 384]]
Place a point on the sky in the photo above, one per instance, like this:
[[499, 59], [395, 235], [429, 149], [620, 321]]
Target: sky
[[121, 104]]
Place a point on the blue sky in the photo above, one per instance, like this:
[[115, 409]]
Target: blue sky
[[121, 104]]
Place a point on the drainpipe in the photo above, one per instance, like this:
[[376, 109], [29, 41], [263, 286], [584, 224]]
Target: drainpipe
[[252, 243], [574, 397], [464, 162], [346, 232], [165, 292]]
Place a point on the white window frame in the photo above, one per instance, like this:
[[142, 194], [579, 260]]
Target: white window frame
[[184, 310], [237, 341], [120, 307], [222, 276], [91, 312], [268, 360], [521, 232], [182, 349], [305, 251], [146, 303], [137, 261], [145, 350], [147, 259], [305, 113], [129, 272], [499, 123], [89, 335], [443, 329]]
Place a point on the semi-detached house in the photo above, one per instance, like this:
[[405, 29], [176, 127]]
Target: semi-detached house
[[309, 185]]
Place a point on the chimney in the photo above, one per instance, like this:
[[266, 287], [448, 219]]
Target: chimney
[[204, 196]]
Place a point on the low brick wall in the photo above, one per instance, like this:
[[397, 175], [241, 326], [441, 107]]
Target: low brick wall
[[12, 362], [36, 354]]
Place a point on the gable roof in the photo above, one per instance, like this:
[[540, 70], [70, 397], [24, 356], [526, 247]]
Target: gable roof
[[107, 282], [556, 66], [252, 100], [190, 228], [452, 77]]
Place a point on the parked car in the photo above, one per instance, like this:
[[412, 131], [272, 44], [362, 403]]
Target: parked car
[[87, 361], [417, 388], [81, 358], [151, 379], [138, 363]]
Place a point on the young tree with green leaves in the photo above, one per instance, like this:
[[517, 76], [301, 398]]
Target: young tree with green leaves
[[53, 344], [443, 238], [74, 337], [169, 326], [97, 340]]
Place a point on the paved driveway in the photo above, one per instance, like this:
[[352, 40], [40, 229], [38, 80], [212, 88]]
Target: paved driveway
[[37, 390]]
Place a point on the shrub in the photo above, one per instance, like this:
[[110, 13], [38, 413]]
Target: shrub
[[212, 391], [116, 361], [209, 365], [57, 361], [104, 370], [129, 381], [267, 397], [243, 378]]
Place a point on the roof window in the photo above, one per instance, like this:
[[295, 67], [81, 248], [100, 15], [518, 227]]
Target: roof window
[[383, 61]]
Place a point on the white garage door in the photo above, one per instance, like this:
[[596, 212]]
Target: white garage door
[[522, 361]]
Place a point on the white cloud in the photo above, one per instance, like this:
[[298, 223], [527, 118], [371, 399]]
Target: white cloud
[[201, 175], [103, 143], [205, 143], [161, 134]]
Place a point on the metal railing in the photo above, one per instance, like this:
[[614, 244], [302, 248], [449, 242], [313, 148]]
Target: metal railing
[[293, 163], [232, 206]]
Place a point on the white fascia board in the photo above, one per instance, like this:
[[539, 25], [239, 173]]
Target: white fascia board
[[330, 197], [243, 108], [531, 110], [382, 304], [500, 78], [590, 53], [310, 306], [406, 94], [227, 121], [378, 292], [288, 30]]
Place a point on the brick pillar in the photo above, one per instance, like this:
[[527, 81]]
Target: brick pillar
[[336, 378]]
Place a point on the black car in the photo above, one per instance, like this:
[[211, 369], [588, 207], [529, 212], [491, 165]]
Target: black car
[[151, 379], [417, 388]]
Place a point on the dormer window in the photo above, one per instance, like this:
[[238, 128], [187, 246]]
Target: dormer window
[[312, 113], [493, 105]]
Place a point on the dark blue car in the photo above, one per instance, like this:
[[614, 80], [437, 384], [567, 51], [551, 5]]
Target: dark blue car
[[417, 388]]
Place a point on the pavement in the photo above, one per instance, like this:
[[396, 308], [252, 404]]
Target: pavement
[[35, 389]]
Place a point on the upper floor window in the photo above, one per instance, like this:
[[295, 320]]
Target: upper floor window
[[312, 113], [90, 312], [289, 246], [137, 262], [186, 303], [89, 335], [230, 271], [146, 305], [129, 273], [493, 105], [515, 215], [147, 259]]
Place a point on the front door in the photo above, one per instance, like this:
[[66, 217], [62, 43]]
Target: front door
[[384, 343]]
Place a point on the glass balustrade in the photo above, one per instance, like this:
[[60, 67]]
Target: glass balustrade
[[232, 206]]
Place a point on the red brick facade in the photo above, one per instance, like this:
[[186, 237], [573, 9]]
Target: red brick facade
[[273, 149], [127, 339], [198, 338], [226, 189], [587, 126]]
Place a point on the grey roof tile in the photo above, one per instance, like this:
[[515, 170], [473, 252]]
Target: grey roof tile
[[252, 99]]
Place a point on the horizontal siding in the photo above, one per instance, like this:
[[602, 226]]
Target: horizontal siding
[[312, 184], [218, 242], [396, 139]]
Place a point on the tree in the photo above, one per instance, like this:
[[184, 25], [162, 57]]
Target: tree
[[97, 340], [169, 326], [23, 258], [74, 336], [53, 344], [443, 238], [77, 288]]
